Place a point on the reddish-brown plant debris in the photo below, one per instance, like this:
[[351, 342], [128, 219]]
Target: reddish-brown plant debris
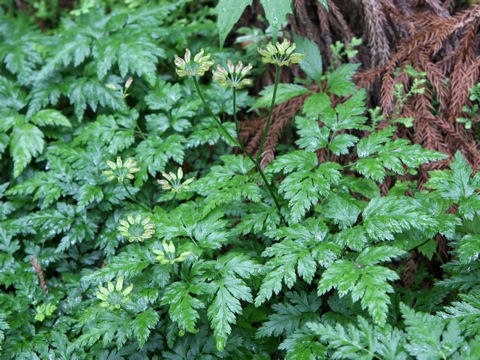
[[38, 269], [437, 37], [429, 35]]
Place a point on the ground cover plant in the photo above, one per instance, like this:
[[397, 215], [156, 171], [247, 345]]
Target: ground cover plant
[[137, 222]]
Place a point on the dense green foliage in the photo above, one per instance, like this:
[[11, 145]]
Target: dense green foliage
[[221, 276]]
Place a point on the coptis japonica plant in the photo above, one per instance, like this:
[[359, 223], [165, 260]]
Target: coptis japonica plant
[[151, 239], [235, 77]]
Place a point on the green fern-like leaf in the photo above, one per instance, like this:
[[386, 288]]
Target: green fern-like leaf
[[429, 336], [362, 342], [229, 290], [300, 251], [183, 307], [26, 141], [466, 312], [288, 317], [143, 324], [365, 280]]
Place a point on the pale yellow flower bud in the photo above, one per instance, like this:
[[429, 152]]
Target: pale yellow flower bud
[[187, 56], [128, 83]]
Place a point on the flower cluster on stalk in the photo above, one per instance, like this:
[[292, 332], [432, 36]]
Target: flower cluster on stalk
[[233, 76], [136, 228], [113, 296], [121, 170], [173, 182], [281, 54], [167, 255], [200, 65]]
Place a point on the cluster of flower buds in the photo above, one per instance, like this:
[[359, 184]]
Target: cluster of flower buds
[[113, 296], [173, 182], [136, 228], [201, 64], [121, 170], [123, 91], [282, 54], [167, 255], [233, 76]]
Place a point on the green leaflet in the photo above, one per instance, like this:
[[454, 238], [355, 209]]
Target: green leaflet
[[365, 281], [183, 307], [284, 93], [304, 188], [429, 335], [26, 141], [361, 341], [276, 11], [324, 3], [312, 62], [291, 315], [339, 80], [228, 12], [229, 290], [143, 324], [299, 253], [50, 117]]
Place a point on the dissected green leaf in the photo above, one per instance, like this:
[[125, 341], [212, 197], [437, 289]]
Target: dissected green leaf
[[50, 117], [228, 13], [26, 142], [143, 324], [285, 92], [339, 80], [276, 11], [312, 62]]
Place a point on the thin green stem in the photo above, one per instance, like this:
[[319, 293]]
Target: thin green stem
[[330, 138], [142, 134], [419, 245], [239, 143], [174, 200], [270, 112], [210, 112], [142, 205], [255, 161], [236, 123]]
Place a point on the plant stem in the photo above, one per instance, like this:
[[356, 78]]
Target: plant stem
[[239, 143], [142, 134], [255, 161], [419, 245], [142, 205], [270, 112], [210, 112]]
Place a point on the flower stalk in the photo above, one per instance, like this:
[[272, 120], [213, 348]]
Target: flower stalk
[[239, 143], [270, 112], [136, 229], [141, 204], [255, 161], [234, 76]]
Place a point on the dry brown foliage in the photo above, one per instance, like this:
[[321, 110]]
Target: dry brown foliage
[[430, 35], [436, 37]]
